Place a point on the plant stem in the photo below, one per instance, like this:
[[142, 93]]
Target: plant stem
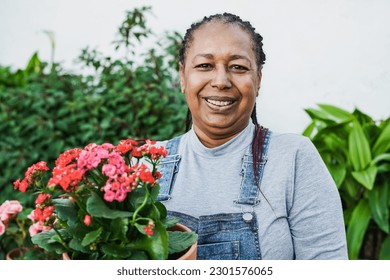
[[142, 205]]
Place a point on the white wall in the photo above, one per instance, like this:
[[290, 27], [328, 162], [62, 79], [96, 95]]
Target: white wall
[[334, 51]]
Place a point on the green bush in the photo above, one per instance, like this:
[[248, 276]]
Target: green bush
[[356, 150], [45, 110]]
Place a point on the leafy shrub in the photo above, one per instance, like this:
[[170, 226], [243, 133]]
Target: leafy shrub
[[47, 110], [356, 150]]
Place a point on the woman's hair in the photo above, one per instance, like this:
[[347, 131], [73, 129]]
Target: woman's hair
[[257, 46]]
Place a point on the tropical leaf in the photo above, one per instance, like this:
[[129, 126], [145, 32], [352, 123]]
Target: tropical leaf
[[385, 250], [378, 200], [366, 177], [335, 113], [338, 173], [385, 157], [359, 149], [308, 132], [357, 227], [319, 115], [382, 144]]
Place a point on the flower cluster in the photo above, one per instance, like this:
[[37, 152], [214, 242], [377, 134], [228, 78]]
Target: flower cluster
[[100, 202], [30, 176], [8, 211]]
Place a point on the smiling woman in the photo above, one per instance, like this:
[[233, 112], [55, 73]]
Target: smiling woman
[[221, 82], [248, 192]]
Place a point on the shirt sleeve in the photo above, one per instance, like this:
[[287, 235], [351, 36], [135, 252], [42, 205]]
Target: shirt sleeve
[[315, 214]]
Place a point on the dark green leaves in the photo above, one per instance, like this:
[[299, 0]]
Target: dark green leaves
[[91, 236], [66, 210], [97, 208]]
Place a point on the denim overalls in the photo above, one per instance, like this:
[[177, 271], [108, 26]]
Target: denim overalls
[[226, 236]]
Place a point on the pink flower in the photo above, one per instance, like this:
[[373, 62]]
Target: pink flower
[[9, 209], [120, 195], [87, 220], [37, 228], [2, 228], [109, 196], [109, 170]]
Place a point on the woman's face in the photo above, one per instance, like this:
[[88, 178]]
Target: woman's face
[[220, 80]]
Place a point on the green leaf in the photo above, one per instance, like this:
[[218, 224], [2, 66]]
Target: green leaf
[[91, 237], [48, 240], [180, 241], [335, 113], [378, 199], [66, 210], [382, 144], [338, 173], [138, 255], [154, 192], [359, 149], [170, 222], [309, 130], [381, 157], [119, 228], [318, 115], [156, 245], [34, 65], [385, 250], [97, 208], [366, 177], [75, 245], [384, 167], [357, 227], [116, 251]]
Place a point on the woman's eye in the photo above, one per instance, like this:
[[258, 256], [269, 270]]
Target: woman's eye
[[239, 68], [204, 66]]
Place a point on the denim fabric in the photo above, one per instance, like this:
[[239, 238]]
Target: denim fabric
[[228, 236], [169, 166]]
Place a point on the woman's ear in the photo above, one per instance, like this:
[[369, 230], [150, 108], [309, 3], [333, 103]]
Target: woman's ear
[[182, 80]]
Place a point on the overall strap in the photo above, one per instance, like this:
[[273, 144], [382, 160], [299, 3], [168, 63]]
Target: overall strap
[[168, 167], [249, 193], [173, 145]]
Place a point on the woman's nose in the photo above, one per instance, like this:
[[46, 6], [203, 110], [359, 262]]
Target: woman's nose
[[220, 79]]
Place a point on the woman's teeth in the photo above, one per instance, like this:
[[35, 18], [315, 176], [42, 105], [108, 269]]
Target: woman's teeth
[[219, 103]]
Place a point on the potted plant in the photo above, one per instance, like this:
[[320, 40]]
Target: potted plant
[[100, 203], [356, 150], [15, 242]]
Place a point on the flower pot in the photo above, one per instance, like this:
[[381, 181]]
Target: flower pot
[[189, 254], [28, 253], [16, 253]]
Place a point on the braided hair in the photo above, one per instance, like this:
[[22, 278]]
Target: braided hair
[[257, 46]]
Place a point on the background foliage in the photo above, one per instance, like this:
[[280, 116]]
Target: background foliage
[[45, 110], [356, 150]]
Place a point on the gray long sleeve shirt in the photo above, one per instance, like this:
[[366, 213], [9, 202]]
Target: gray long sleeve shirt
[[300, 214]]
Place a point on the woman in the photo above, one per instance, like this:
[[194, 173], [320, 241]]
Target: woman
[[249, 193]]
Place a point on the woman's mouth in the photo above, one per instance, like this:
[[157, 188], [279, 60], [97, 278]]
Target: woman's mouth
[[219, 103]]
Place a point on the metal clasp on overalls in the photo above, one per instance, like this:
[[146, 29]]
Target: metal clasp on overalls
[[247, 215]]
